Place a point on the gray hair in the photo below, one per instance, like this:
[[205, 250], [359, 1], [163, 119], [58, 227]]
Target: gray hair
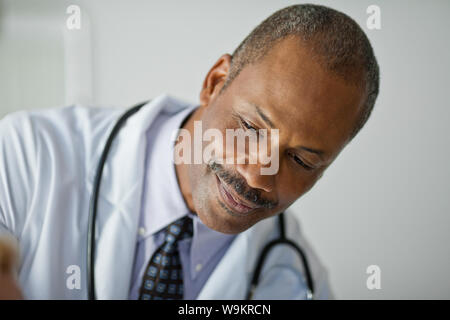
[[336, 39]]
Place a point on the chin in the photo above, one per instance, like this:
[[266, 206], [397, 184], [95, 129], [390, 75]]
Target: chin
[[213, 211], [215, 217]]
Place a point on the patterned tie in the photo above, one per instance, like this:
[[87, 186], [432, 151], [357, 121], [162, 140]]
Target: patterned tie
[[163, 278]]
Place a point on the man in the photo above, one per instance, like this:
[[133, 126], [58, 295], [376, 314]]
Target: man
[[307, 74]]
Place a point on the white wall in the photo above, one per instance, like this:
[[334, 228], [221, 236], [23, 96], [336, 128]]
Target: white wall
[[384, 201]]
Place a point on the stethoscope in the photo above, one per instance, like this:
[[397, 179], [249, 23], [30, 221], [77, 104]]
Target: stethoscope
[[90, 256]]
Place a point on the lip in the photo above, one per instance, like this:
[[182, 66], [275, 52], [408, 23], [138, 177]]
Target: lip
[[235, 203]]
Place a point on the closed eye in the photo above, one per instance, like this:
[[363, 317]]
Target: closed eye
[[247, 125], [300, 162]]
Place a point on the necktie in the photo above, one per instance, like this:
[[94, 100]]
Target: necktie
[[163, 277]]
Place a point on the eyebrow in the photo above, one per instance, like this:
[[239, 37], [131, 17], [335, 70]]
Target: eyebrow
[[267, 120]]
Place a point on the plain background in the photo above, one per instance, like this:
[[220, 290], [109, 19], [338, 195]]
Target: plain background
[[384, 201]]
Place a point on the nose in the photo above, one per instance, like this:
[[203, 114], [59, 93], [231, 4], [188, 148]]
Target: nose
[[254, 178]]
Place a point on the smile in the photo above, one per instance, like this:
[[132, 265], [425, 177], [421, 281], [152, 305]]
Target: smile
[[232, 201]]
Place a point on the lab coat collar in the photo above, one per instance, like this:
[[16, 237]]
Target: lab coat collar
[[166, 203], [120, 199]]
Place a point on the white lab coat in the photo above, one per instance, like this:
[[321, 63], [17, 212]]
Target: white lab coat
[[48, 160]]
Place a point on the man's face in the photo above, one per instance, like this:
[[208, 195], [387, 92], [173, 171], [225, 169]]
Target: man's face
[[314, 112]]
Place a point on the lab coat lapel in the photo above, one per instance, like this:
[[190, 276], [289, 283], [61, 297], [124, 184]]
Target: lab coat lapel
[[120, 201]]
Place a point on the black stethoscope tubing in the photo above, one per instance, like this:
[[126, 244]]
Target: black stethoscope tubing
[[90, 256], [269, 246]]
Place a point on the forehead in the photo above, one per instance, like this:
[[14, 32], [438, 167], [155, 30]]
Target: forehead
[[309, 105]]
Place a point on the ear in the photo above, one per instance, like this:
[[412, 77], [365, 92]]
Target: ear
[[215, 79]]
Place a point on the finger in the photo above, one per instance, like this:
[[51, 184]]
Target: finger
[[9, 254]]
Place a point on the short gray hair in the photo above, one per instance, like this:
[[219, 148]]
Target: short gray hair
[[340, 44]]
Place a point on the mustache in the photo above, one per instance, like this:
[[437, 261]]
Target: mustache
[[240, 187]]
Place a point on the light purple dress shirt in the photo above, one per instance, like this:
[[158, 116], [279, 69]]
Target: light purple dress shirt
[[163, 203]]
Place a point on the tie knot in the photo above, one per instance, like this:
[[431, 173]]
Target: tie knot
[[180, 229]]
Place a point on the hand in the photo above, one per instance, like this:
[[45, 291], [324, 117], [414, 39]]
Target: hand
[[9, 258]]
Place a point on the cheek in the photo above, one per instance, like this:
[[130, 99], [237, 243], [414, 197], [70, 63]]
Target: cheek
[[215, 138], [293, 183], [200, 184]]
